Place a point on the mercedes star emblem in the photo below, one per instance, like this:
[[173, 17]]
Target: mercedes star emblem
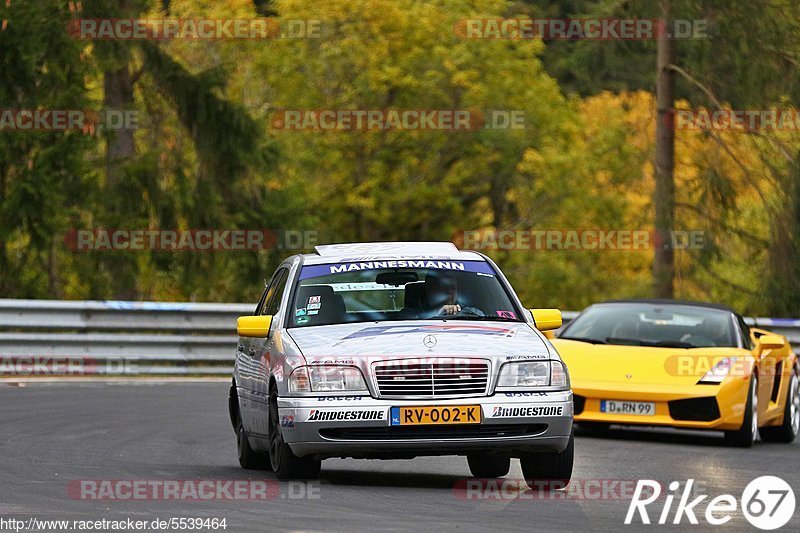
[[429, 341]]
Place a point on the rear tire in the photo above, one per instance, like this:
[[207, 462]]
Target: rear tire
[[746, 436], [248, 459], [284, 462], [788, 430], [552, 469], [486, 465]]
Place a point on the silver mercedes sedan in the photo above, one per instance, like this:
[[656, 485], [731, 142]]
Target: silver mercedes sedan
[[398, 350]]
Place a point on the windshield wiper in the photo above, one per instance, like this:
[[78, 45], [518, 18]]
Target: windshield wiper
[[584, 339], [471, 317], [674, 344], [656, 344], [624, 341]]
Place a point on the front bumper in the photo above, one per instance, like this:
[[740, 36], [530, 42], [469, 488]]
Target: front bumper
[[360, 426], [686, 406]]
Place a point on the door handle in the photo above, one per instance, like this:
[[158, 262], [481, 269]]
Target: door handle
[[240, 347], [252, 352]]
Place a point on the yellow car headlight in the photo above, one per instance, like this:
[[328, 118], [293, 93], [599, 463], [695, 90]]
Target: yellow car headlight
[[720, 371]]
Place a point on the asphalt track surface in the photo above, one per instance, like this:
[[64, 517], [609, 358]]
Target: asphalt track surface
[[51, 434]]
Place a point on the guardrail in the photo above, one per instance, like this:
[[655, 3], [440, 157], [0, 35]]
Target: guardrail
[[80, 338]]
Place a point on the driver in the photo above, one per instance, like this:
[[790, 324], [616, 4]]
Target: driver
[[441, 298], [712, 331]]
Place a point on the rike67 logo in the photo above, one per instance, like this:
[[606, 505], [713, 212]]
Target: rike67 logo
[[767, 502]]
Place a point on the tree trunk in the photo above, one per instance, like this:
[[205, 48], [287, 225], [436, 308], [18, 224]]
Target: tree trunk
[[782, 283], [54, 289], [664, 197], [120, 149], [4, 266], [118, 94]]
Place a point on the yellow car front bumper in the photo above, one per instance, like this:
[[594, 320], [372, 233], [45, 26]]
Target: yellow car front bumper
[[718, 407]]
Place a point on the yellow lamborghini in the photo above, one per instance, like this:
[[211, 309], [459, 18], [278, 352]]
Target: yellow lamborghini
[[681, 364]]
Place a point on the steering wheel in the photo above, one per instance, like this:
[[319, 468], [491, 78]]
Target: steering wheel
[[701, 341], [465, 311]]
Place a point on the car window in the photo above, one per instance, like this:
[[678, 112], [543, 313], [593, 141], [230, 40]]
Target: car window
[[269, 290], [261, 301], [747, 339], [397, 290], [653, 325], [276, 292]]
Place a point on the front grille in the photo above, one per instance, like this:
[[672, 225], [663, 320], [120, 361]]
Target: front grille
[[695, 409], [433, 432], [414, 379]]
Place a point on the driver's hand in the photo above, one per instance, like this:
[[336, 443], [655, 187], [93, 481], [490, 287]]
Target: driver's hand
[[450, 309]]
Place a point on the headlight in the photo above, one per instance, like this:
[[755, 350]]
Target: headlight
[[531, 374], [326, 378], [719, 372]]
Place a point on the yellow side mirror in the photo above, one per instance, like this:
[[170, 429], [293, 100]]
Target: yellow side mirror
[[771, 342], [546, 319], [254, 326]]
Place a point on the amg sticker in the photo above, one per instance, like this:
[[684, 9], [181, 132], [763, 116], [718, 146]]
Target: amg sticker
[[510, 412], [315, 415]]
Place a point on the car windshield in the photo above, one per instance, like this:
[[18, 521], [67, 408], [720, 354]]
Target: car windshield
[[653, 325], [422, 289]]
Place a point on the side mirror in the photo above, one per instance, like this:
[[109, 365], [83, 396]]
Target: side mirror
[[254, 326], [546, 319], [771, 342]]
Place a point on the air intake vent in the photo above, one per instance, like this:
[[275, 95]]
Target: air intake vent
[[695, 409]]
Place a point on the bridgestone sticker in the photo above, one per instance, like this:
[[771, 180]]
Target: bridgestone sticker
[[315, 415], [513, 412]]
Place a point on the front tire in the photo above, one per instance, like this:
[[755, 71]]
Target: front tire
[[549, 468], [746, 436], [285, 463], [788, 430], [485, 465]]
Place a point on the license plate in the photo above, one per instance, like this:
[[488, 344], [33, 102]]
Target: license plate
[[616, 407], [436, 415]]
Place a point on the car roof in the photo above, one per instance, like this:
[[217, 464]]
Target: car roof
[[666, 301], [377, 251]]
